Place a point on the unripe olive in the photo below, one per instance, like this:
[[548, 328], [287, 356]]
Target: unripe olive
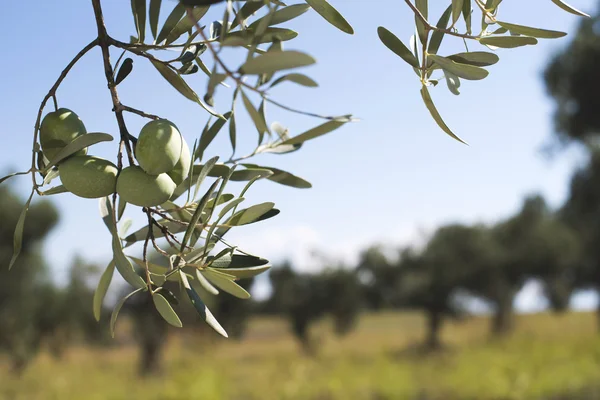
[[182, 169], [58, 129], [159, 147], [88, 176], [141, 189]]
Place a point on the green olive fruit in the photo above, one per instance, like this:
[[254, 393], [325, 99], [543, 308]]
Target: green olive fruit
[[159, 147], [182, 169], [58, 129], [141, 189], [88, 176]]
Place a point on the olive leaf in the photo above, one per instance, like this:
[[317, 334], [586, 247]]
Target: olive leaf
[[79, 143], [533, 32], [165, 310], [569, 8], [508, 42], [331, 15], [436, 115], [225, 282], [200, 307], [276, 61], [154, 12], [182, 87], [18, 235], [392, 42], [314, 132], [138, 9], [117, 309], [283, 177], [465, 71], [102, 288], [171, 21], [185, 24], [300, 79]]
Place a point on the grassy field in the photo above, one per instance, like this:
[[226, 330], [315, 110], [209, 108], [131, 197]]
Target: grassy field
[[548, 357]]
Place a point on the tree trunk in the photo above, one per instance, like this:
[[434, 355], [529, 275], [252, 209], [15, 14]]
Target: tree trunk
[[150, 358], [502, 320], [434, 326], [300, 327]]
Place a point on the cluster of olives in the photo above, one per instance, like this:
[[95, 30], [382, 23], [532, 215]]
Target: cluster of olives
[[163, 155]]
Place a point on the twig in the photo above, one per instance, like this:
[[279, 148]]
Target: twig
[[138, 112], [435, 28], [52, 93], [238, 79], [104, 41]]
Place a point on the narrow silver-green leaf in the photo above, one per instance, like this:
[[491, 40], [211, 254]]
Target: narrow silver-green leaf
[[530, 31], [392, 42], [172, 20], [208, 135], [123, 265], [154, 12], [118, 306], [569, 8], [79, 143], [464, 71], [50, 176], [315, 132], [300, 79], [249, 272], [476, 58], [182, 87], [18, 235], [198, 213], [259, 122], [232, 134], [250, 36], [284, 177], [55, 190], [204, 173], [105, 207], [247, 10], [331, 15], [457, 6], [225, 282], [165, 310], [436, 115], [185, 24], [282, 15], [276, 61], [423, 7], [102, 288], [508, 42], [236, 261], [438, 35], [250, 214], [200, 307], [138, 9], [230, 206], [206, 285]]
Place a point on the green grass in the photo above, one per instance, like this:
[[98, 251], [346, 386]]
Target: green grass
[[548, 357]]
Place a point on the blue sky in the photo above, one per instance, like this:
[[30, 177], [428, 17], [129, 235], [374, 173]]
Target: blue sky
[[390, 178]]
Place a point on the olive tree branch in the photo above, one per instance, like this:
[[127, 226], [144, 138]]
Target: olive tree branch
[[419, 15], [238, 78], [104, 41], [52, 94], [138, 112]]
